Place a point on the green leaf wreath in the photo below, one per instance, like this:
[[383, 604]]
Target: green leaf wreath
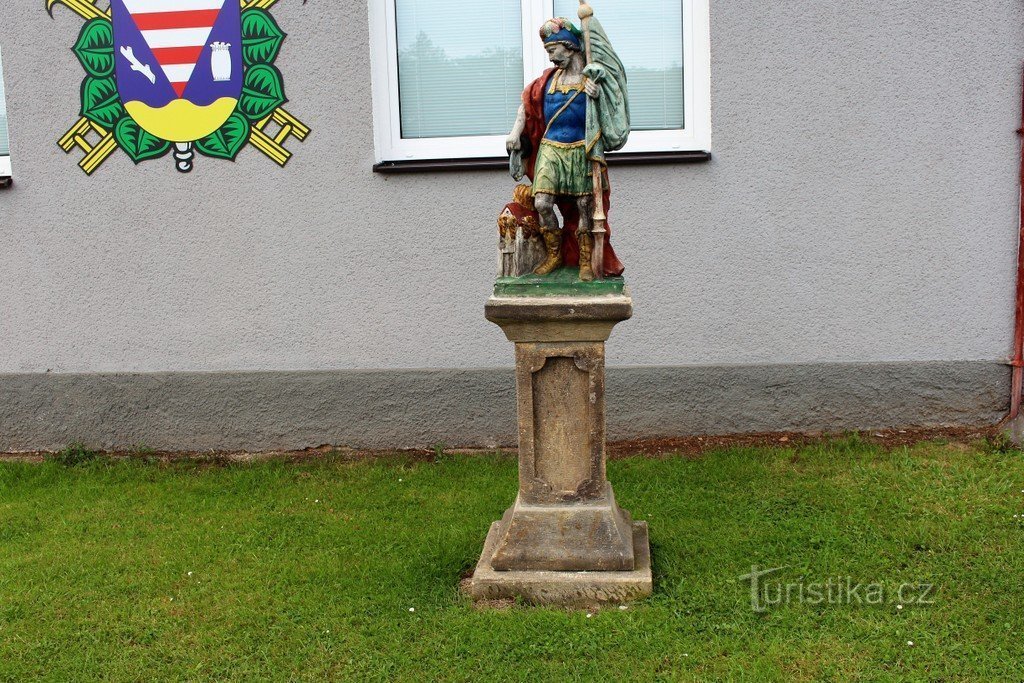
[[262, 90]]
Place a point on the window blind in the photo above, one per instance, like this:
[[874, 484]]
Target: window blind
[[649, 39], [460, 67], [5, 147]]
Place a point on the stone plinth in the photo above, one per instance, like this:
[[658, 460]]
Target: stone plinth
[[564, 540]]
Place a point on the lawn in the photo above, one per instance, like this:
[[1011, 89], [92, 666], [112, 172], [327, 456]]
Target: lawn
[[134, 570]]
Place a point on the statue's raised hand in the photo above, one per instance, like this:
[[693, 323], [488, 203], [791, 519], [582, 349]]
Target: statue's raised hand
[[595, 72], [513, 143]]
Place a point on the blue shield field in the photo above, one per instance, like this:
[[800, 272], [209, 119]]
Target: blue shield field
[[178, 64]]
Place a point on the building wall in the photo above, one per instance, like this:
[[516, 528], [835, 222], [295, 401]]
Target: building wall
[[861, 207]]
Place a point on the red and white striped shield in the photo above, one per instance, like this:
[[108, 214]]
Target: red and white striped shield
[[179, 35], [177, 31], [179, 64]]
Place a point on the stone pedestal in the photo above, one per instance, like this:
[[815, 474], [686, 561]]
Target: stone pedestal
[[564, 540]]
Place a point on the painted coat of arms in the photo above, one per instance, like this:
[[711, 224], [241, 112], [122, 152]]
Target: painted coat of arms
[[181, 76]]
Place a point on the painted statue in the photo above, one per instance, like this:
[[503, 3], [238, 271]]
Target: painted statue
[[519, 240], [570, 118]]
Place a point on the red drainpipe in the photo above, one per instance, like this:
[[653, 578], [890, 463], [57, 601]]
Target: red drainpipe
[[1018, 332]]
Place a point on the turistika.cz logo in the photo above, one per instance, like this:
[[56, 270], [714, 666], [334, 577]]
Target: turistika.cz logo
[[185, 76], [839, 590]]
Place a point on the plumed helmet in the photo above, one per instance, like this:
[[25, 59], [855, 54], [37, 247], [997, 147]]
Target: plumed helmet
[[560, 30]]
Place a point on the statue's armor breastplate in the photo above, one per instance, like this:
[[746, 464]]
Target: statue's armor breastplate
[[571, 125]]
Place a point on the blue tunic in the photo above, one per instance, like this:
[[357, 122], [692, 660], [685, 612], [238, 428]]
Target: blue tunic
[[571, 125]]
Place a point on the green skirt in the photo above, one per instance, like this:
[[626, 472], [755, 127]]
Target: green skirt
[[562, 170]]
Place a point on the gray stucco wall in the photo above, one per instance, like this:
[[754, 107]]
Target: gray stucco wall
[[861, 206]]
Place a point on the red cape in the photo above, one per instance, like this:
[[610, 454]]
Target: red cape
[[533, 99]]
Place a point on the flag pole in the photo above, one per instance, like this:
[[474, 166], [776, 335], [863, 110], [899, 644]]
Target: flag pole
[[600, 217]]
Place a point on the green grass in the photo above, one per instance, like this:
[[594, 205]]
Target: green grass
[[128, 571]]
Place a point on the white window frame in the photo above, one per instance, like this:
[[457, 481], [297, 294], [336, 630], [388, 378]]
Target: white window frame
[[390, 146], [5, 159]]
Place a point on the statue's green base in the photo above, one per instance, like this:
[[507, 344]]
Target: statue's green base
[[562, 282]]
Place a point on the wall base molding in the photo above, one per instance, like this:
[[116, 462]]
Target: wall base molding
[[476, 408]]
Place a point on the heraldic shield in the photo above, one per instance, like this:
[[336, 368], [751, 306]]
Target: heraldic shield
[[185, 77], [179, 64]]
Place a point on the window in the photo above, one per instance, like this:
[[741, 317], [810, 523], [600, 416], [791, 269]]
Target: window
[[447, 76], [5, 146]]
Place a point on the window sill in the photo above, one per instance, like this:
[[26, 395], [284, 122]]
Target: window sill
[[498, 163]]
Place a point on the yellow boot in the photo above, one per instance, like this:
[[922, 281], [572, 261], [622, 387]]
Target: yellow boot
[[586, 241], [553, 244]]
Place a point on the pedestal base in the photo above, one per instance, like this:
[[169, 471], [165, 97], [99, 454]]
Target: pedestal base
[[579, 589], [591, 536]]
